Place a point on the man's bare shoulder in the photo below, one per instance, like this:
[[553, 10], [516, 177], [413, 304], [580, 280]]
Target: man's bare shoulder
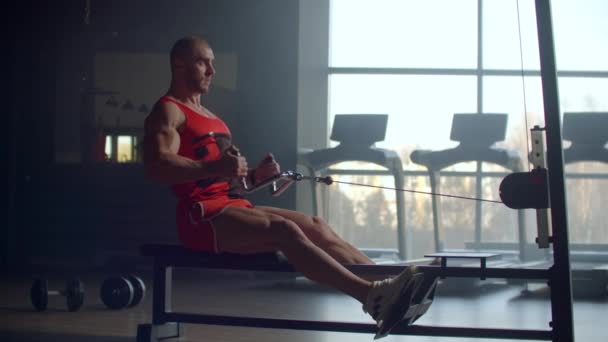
[[164, 114]]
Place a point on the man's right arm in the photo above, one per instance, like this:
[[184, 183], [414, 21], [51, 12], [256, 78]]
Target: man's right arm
[[161, 146]]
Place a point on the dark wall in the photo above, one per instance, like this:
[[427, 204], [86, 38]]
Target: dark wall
[[30, 109], [86, 209]]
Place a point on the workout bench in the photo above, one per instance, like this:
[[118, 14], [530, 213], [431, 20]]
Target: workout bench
[[166, 323]]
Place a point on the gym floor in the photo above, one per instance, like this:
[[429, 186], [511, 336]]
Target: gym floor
[[264, 294]]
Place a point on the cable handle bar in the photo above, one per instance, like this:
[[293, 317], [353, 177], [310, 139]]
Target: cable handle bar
[[282, 181]]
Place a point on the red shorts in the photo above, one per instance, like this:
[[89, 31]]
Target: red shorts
[[194, 227]]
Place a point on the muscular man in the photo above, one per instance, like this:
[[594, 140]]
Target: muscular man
[[189, 148]]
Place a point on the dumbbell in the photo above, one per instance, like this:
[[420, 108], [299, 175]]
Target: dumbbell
[[120, 292], [74, 294]]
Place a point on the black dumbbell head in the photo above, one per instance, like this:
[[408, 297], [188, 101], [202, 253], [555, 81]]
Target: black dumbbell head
[[74, 294], [39, 294], [139, 289], [116, 293]]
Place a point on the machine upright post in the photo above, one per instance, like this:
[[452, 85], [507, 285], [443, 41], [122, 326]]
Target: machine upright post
[[561, 280]]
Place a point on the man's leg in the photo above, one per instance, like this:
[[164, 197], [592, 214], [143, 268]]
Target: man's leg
[[250, 230], [322, 235]]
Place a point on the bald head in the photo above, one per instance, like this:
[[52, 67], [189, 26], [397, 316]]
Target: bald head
[[191, 65], [185, 47]]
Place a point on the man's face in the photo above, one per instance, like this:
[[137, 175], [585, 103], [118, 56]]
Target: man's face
[[199, 68]]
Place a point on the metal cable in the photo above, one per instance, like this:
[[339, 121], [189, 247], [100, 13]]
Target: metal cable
[[328, 180]]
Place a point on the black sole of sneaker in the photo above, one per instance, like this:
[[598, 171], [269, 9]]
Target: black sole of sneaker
[[401, 307], [424, 297]]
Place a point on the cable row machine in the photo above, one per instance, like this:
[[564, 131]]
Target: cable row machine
[[166, 322], [588, 134]]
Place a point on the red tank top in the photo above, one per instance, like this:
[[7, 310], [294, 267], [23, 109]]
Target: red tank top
[[202, 139]]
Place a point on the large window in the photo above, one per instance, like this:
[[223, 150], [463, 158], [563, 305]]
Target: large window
[[422, 61]]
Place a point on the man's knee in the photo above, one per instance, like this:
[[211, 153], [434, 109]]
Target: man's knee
[[317, 221], [323, 230]]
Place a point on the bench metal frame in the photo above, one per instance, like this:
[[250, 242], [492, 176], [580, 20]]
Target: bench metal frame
[[166, 322]]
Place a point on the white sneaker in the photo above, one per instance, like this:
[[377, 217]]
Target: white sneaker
[[389, 299]]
